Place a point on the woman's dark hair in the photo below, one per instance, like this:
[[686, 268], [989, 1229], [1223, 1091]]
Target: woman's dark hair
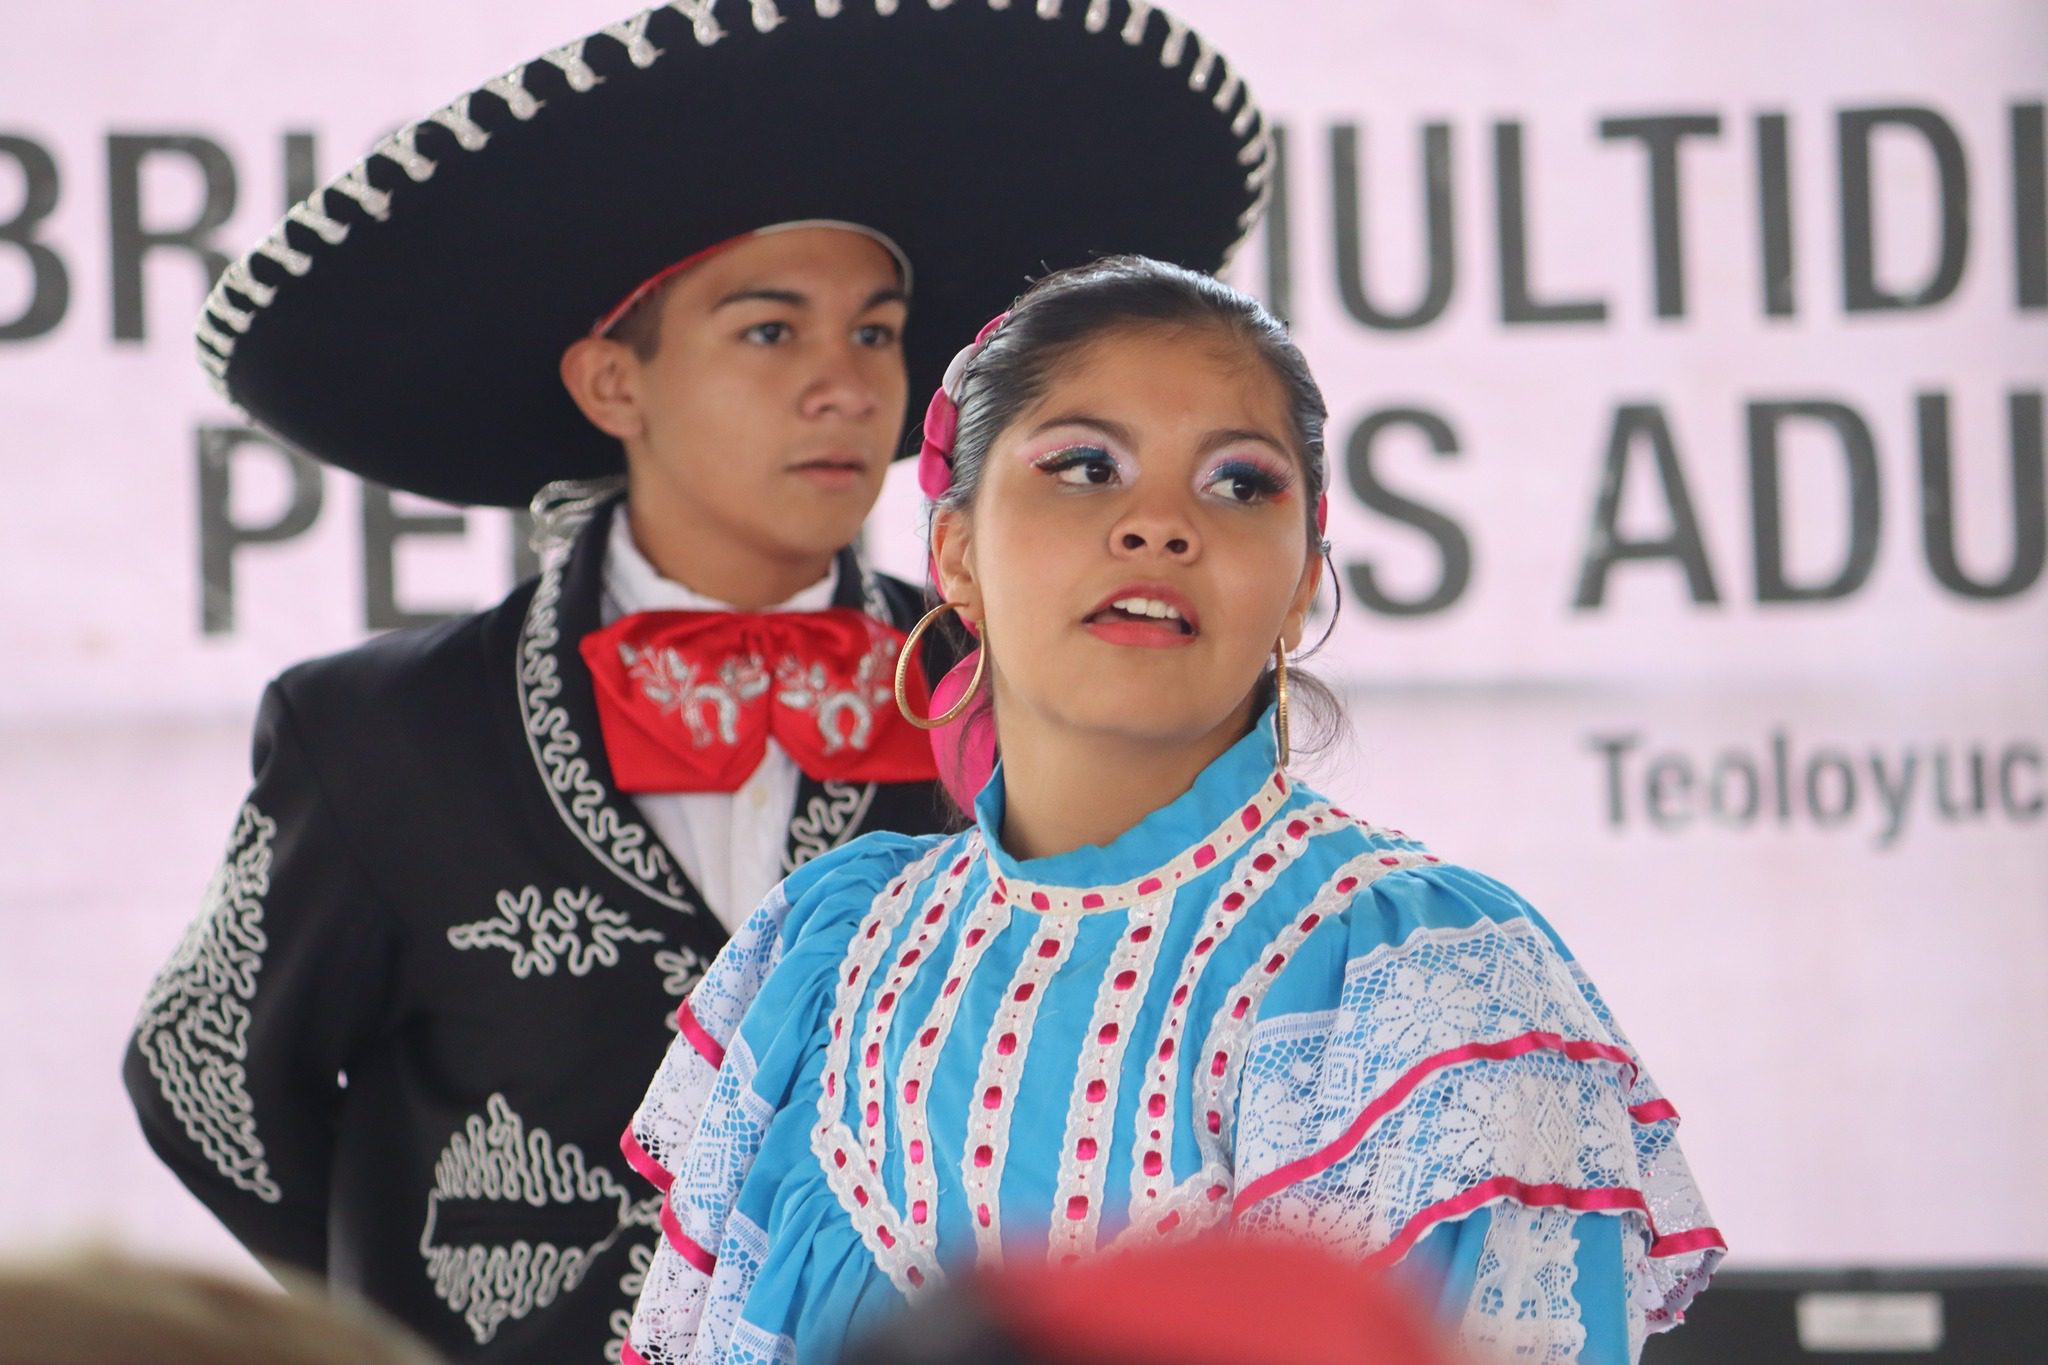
[[1056, 318]]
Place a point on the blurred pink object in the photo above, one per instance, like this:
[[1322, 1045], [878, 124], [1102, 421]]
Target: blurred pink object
[[1212, 1301], [965, 749]]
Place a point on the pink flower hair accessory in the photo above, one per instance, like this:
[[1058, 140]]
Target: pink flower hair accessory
[[942, 418]]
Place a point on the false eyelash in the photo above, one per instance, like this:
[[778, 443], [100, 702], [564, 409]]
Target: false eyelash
[[1268, 482], [1073, 457]]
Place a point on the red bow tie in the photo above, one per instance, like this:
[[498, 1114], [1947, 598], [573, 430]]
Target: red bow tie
[[687, 700]]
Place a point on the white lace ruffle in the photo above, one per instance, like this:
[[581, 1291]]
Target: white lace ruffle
[[703, 1085], [1523, 1307], [1467, 1067], [668, 1114]]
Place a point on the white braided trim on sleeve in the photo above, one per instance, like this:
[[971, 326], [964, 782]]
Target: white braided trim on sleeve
[[232, 304]]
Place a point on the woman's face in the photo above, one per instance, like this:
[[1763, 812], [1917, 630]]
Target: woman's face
[[1138, 542]]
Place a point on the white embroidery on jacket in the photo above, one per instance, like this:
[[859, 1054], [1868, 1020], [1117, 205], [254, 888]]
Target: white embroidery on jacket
[[613, 837], [194, 1023], [575, 929], [827, 819], [496, 1156]]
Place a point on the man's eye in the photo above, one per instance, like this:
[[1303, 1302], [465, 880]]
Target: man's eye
[[768, 333], [878, 335], [1080, 466]]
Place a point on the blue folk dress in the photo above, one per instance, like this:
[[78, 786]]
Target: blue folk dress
[[1251, 1010]]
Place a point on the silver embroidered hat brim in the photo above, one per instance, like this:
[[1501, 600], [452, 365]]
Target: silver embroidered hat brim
[[406, 321]]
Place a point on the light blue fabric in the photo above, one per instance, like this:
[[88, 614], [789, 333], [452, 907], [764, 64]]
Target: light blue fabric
[[1294, 1014]]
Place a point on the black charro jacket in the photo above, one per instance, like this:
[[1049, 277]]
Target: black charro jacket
[[436, 971]]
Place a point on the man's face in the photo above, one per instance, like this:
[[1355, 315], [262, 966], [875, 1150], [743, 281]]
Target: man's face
[[770, 411]]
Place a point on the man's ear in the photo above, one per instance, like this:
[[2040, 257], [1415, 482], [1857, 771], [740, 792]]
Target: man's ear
[[953, 561], [603, 376], [1304, 598]]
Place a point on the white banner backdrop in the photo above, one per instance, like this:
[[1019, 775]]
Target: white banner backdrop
[[1686, 368]]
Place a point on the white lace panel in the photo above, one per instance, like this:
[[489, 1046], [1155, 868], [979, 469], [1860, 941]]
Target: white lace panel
[[1523, 1309], [1462, 1068], [721, 1336], [671, 1306], [675, 1101]]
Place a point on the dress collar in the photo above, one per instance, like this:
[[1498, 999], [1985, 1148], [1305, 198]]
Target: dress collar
[[1229, 802]]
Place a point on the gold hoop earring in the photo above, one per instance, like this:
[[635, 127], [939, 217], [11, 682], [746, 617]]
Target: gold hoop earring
[[1280, 700], [903, 673]]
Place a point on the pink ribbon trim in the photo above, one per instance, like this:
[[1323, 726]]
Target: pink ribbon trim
[[1294, 1172], [1652, 1111], [1588, 1200], [700, 1037], [641, 1160], [1682, 1243], [629, 1356], [697, 1256]]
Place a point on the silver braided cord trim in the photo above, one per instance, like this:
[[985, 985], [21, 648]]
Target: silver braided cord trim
[[561, 508], [238, 295], [568, 59], [469, 135], [632, 35]]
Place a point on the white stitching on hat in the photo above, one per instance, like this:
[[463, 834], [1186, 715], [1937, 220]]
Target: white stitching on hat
[[238, 278], [469, 135], [511, 88], [355, 183], [398, 147], [631, 34], [307, 215], [1232, 83], [277, 249], [234, 317], [401, 149], [1251, 215], [1176, 44], [702, 24], [568, 59]]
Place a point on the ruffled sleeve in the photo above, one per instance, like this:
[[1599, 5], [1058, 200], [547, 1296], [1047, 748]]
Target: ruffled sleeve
[[1442, 1084], [740, 1038]]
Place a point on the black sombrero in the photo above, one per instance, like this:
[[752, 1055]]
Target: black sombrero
[[406, 322]]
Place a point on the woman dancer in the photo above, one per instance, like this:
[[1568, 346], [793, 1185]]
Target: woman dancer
[[1158, 986]]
